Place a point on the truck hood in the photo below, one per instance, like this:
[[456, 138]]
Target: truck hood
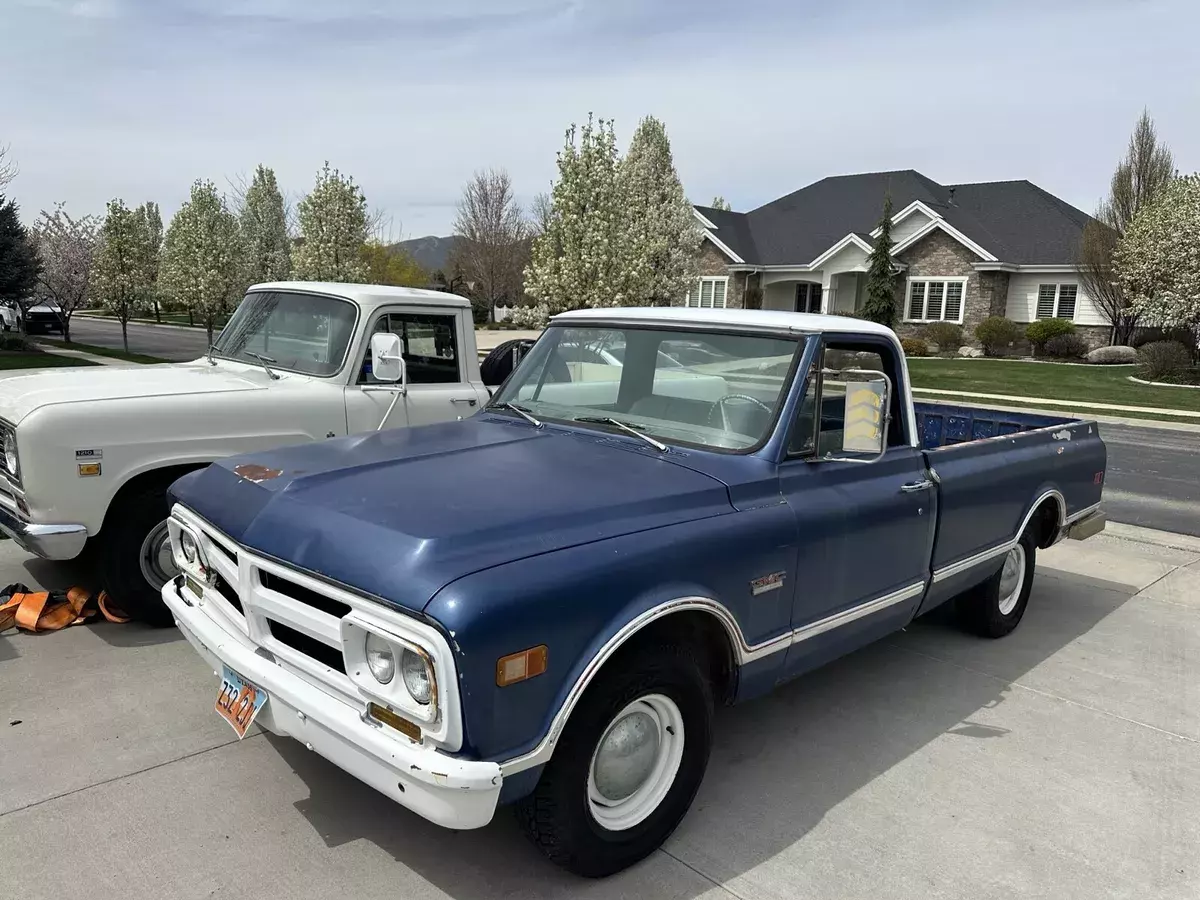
[[400, 514], [22, 394]]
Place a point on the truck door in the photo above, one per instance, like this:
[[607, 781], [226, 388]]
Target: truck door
[[438, 389], [865, 528]]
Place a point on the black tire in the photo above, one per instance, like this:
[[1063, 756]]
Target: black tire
[[129, 521], [498, 364], [557, 817], [981, 610]]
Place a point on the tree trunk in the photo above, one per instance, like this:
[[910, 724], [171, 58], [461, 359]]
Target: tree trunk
[[157, 313], [66, 329], [125, 332], [191, 321]]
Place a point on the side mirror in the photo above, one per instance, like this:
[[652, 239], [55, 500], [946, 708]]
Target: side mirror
[[387, 359], [866, 417]]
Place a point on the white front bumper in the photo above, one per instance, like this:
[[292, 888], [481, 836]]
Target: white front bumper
[[451, 792]]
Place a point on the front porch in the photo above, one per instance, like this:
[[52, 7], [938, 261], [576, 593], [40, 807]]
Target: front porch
[[814, 292]]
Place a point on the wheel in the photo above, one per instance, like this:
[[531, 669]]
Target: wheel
[[135, 557], [628, 765], [994, 608]]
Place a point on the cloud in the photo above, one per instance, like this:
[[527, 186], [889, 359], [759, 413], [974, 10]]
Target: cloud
[[137, 98]]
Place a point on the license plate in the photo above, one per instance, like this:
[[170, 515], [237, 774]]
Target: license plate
[[238, 701]]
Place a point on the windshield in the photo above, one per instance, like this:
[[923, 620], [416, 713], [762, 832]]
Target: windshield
[[721, 391], [307, 333]]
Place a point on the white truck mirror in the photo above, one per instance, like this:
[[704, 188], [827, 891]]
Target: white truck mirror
[[387, 360]]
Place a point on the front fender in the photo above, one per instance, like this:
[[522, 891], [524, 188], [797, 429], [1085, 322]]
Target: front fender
[[577, 601]]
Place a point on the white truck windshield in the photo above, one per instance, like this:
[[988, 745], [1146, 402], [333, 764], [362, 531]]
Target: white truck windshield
[[306, 333]]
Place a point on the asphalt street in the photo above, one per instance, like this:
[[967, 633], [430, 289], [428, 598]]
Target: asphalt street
[[1153, 474], [1060, 762]]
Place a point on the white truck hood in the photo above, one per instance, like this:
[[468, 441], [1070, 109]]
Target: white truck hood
[[22, 394]]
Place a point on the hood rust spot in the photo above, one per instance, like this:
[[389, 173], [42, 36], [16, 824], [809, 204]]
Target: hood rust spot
[[256, 473]]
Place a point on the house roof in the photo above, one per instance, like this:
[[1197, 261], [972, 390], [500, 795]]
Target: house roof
[[1015, 221]]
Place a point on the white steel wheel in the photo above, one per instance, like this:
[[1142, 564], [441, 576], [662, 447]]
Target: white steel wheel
[[635, 762], [1012, 579]]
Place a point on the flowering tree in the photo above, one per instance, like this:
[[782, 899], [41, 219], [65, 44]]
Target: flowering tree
[[123, 264], [719, 202], [333, 230], [201, 266], [1158, 259], [582, 258], [262, 224], [660, 225], [66, 247], [154, 236]]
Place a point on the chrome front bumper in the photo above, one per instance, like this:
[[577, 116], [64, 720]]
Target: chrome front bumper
[[47, 541], [449, 791]]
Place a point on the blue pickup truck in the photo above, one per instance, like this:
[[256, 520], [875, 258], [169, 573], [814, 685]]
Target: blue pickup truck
[[659, 511]]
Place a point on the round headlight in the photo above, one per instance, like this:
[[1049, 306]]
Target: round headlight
[[417, 677], [187, 544], [10, 452], [381, 660]]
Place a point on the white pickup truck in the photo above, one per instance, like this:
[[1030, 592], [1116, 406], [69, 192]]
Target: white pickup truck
[[89, 452]]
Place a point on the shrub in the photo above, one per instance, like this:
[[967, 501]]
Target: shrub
[[17, 342], [1182, 334], [946, 335], [997, 334], [1112, 356], [1043, 330], [914, 347], [1163, 359], [1066, 346]]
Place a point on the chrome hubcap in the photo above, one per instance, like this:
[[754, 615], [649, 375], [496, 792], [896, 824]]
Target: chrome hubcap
[[156, 559], [1012, 578], [635, 762]]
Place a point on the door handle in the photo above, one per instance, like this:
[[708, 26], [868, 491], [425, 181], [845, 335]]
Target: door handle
[[470, 401], [913, 486]]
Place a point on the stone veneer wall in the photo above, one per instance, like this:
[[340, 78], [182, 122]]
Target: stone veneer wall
[[939, 254], [713, 262]]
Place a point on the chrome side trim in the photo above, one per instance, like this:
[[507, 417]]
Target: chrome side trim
[[1082, 514], [978, 559], [744, 652]]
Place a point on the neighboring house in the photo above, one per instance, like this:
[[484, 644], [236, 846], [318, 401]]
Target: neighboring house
[[963, 252]]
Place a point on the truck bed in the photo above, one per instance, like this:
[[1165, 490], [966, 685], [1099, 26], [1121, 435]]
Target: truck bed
[[941, 424]]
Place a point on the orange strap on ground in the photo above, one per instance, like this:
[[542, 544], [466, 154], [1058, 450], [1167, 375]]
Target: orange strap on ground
[[28, 610]]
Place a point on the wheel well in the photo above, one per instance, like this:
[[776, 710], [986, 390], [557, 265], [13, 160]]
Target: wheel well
[[144, 480], [708, 636], [1045, 522]]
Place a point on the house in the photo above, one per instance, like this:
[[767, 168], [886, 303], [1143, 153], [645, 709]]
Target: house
[[963, 252]]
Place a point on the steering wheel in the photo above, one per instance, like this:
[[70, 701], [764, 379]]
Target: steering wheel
[[720, 404]]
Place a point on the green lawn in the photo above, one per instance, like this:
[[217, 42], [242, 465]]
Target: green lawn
[[1090, 384], [23, 359], [103, 351]]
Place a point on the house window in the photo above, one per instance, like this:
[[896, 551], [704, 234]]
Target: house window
[[1056, 301], [935, 300], [808, 297], [708, 293]]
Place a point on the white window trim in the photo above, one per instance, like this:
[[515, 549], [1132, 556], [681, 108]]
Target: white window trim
[[947, 279], [698, 287], [1058, 286]]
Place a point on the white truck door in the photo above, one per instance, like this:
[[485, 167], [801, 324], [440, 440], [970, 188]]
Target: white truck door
[[438, 391]]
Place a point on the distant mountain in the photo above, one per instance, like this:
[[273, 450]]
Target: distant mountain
[[430, 252]]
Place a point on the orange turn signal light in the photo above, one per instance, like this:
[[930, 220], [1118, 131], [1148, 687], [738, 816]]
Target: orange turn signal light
[[410, 730], [521, 666]]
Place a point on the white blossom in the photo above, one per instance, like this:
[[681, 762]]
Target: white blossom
[[123, 263], [67, 247], [333, 230], [262, 226], [200, 267], [1158, 259]]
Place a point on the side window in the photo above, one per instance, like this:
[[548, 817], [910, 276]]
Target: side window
[[821, 419], [430, 347]]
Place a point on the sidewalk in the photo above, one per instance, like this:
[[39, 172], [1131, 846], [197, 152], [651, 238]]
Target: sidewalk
[[81, 354]]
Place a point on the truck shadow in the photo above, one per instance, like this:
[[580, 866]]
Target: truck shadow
[[778, 764]]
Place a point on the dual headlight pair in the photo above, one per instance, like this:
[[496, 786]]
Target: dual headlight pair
[[12, 463], [414, 669]]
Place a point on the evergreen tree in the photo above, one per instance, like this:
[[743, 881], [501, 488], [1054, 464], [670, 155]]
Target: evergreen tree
[[19, 262], [660, 224], [880, 305], [719, 202]]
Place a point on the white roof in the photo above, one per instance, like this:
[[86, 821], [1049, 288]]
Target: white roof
[[368, 294], [765, 319]]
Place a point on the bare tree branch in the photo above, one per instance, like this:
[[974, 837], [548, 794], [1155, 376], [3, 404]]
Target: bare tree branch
[[493, 239], [8, 166]]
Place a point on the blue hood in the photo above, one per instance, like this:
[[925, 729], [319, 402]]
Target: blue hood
[[399, 514]]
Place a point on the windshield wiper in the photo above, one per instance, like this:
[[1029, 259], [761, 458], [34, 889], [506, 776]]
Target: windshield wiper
[[522, 412], [608, 420], [266, 363]]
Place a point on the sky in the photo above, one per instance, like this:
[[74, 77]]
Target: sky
[[138, 98]]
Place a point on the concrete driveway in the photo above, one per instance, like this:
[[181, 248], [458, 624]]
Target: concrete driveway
[[1061, 762]]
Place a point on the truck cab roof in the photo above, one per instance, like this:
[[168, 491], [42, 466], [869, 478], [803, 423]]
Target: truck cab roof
[[755, 319], [368, 296]]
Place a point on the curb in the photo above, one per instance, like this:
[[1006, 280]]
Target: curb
[[1186, 387], [1140, 535]]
